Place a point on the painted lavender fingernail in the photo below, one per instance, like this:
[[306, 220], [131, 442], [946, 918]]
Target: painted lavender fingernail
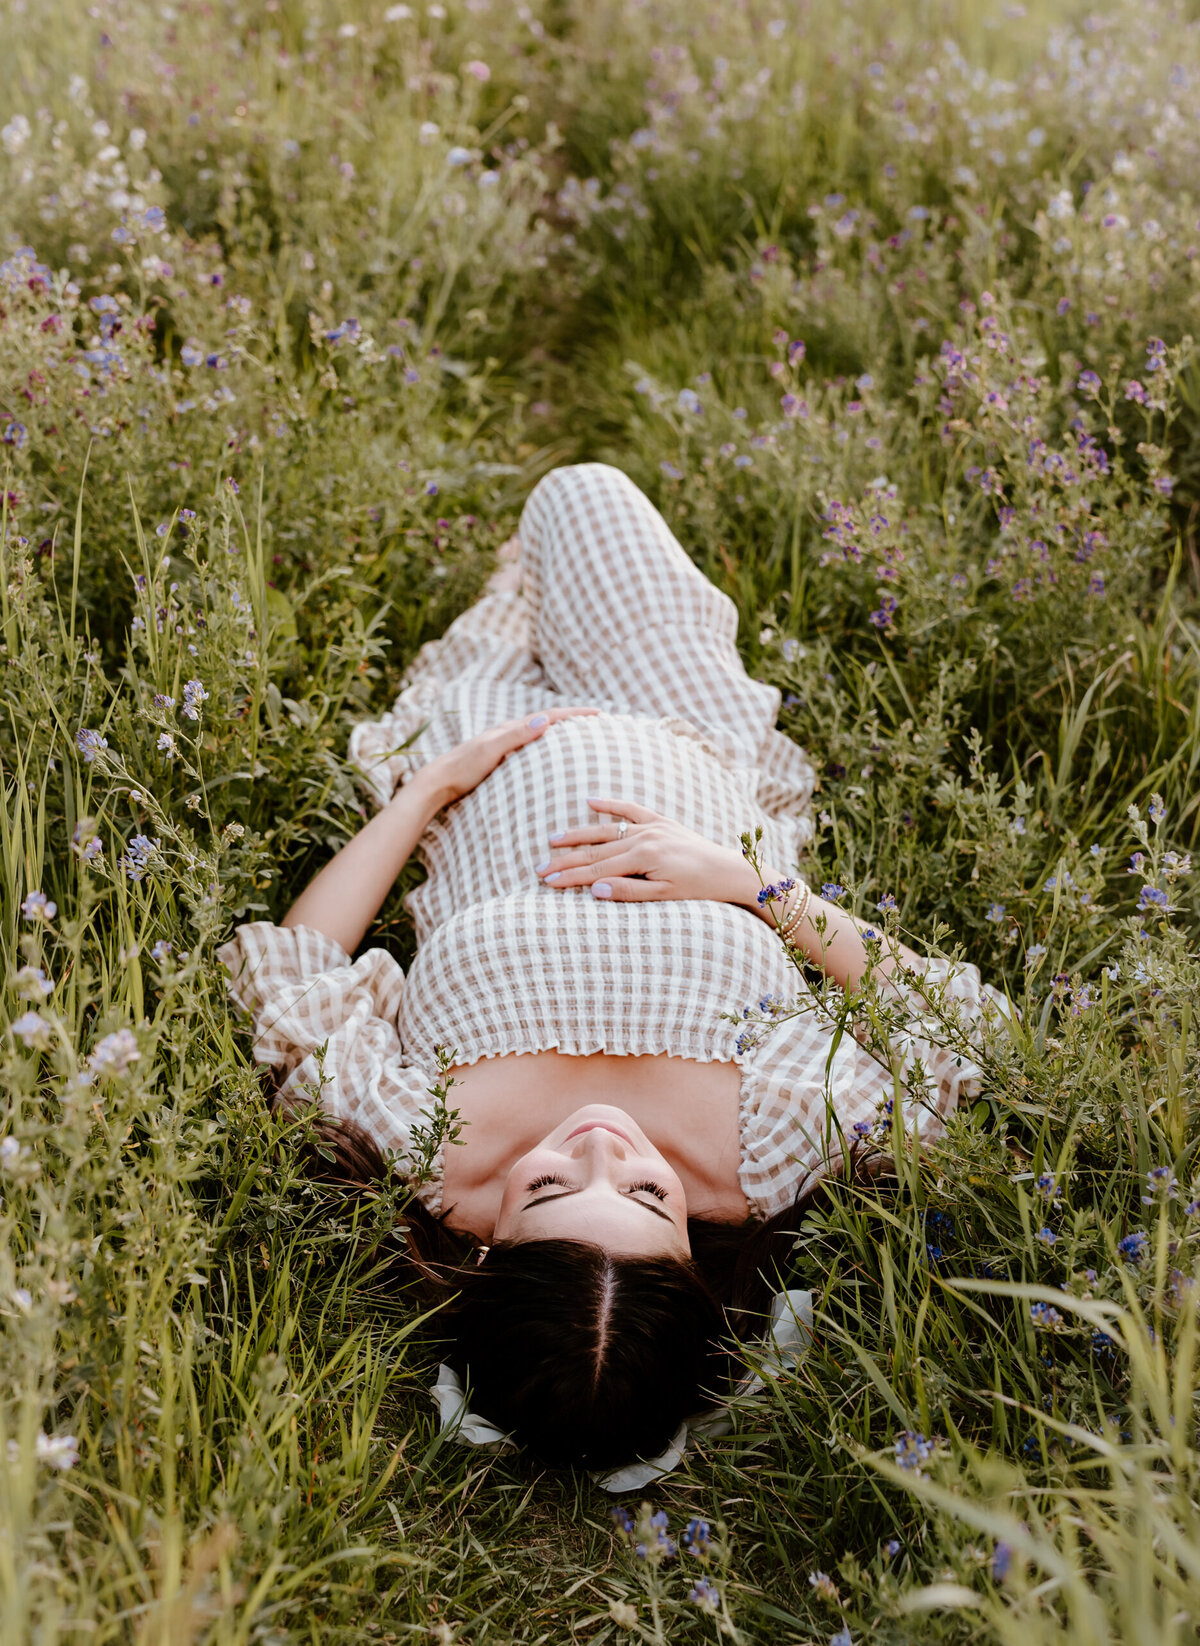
[[537, 721], [542, 867], [553, 878], [602, 889], [557, 836]]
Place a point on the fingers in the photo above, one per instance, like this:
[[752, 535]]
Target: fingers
[[545, 717], [589, 834], [624, 808], [584, 869], [515, 734], [617, 889]]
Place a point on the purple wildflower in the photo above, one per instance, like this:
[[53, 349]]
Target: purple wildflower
[[193, 695], [89, 743], [136, 858], [37, 906]]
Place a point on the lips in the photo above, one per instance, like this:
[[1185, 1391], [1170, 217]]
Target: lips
[[600, 1126]]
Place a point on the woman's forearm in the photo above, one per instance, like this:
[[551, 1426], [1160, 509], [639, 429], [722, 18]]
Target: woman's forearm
[[343, 899], [839, 950]]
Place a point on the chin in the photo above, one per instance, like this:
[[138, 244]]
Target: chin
[[599, 1111]]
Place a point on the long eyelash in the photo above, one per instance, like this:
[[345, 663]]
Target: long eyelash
[[542, 1182], [655, 1189]]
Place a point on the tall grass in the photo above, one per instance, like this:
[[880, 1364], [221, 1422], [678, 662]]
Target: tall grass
[[889, 308]]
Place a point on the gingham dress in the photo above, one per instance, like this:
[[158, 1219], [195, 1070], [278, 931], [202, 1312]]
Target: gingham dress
[[611, 613]]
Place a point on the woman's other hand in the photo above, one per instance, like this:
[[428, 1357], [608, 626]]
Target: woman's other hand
[[658, 860], [464, 768]]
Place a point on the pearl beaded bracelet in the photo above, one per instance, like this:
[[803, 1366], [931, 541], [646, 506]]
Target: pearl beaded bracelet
[[788, 926]]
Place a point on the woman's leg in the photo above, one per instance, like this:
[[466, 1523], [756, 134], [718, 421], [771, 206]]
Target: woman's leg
[[488, 647], [619, 611]]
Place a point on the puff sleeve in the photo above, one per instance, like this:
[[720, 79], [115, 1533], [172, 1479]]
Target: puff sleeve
[[305, 994], [804, 1097]]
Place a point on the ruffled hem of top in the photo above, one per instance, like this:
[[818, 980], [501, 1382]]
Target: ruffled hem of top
[[692, 1047]]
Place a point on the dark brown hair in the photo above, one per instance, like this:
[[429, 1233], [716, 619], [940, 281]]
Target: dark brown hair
[[584, 1357]]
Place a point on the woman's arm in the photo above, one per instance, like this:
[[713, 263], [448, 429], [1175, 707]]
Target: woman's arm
[[344, 898], [346, 895], [659, 859], [839, 949]]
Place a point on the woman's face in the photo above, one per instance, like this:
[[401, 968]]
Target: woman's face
[[597, 1177]]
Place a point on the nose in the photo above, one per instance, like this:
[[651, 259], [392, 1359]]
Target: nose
[[599, 1146]]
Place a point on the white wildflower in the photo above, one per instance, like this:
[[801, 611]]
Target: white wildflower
[[57, 1451], [16, 134], [114, 1054]]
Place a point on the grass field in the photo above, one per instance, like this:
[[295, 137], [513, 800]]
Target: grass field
[[889, 308]]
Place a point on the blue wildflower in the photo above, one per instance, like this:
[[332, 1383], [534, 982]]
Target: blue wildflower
[[831, 891], [703, 1593], [1160, 1181], [913, 1450], [697, 1537], [772, 893], [1134, 1246]]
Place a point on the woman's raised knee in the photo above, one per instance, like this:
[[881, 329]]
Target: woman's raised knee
[[572, 478]]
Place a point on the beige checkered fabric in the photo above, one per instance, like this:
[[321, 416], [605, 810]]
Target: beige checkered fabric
[[612, 613]]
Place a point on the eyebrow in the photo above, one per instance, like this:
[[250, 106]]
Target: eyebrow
[[563, 1193]]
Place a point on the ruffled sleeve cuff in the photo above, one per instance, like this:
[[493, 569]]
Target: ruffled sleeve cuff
[[329, 1024]]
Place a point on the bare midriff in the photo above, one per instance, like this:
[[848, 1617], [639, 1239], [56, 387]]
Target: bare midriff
[[507, 1105]]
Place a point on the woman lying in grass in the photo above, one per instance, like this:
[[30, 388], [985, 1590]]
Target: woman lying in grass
[[581, 760]]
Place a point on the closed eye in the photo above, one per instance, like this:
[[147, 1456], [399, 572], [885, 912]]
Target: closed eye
[[566, 1188]]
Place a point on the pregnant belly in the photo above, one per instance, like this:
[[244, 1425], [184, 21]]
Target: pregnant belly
[[688, 1110]]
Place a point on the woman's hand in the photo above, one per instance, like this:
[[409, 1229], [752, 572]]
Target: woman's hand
[[464, 768], [658, 860]]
